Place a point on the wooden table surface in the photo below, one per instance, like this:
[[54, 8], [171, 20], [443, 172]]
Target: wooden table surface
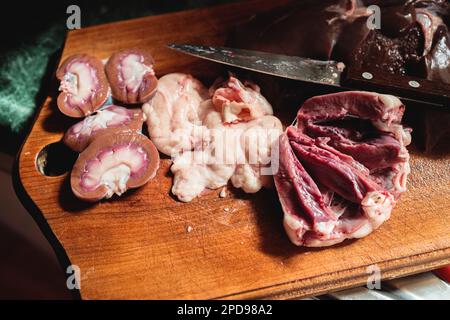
[[139, 246]]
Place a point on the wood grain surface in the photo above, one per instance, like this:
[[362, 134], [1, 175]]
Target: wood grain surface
[[139, 246]]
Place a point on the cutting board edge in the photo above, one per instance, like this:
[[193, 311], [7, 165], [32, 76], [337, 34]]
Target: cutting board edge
[[36, 214], [291, 290]]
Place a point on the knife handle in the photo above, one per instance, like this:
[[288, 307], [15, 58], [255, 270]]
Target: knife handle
[[433, 92]]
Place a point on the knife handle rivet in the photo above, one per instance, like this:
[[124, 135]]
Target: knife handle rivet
[[367, 75], [414, 84]]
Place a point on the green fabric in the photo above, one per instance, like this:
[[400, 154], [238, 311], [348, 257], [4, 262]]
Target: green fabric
[[23, 66], [20, 77]]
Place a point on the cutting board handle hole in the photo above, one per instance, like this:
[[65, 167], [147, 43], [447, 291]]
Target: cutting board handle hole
[[55, 159]]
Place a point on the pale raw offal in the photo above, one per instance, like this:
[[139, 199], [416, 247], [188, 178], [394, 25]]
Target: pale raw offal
[[175, 114], [213, 136]]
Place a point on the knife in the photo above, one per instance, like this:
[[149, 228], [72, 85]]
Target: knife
[[331, 73]]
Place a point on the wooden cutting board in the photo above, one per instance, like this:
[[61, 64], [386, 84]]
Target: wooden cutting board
[[139, 246]]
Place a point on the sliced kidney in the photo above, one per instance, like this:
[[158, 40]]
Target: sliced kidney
[[83, 85], [131, 76], [84, 132], [114, 162]]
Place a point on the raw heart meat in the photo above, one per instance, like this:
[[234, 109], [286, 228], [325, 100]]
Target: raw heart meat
[[342, 167]]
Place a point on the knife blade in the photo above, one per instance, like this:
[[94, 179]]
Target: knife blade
[[291, 67], [332, 73]]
